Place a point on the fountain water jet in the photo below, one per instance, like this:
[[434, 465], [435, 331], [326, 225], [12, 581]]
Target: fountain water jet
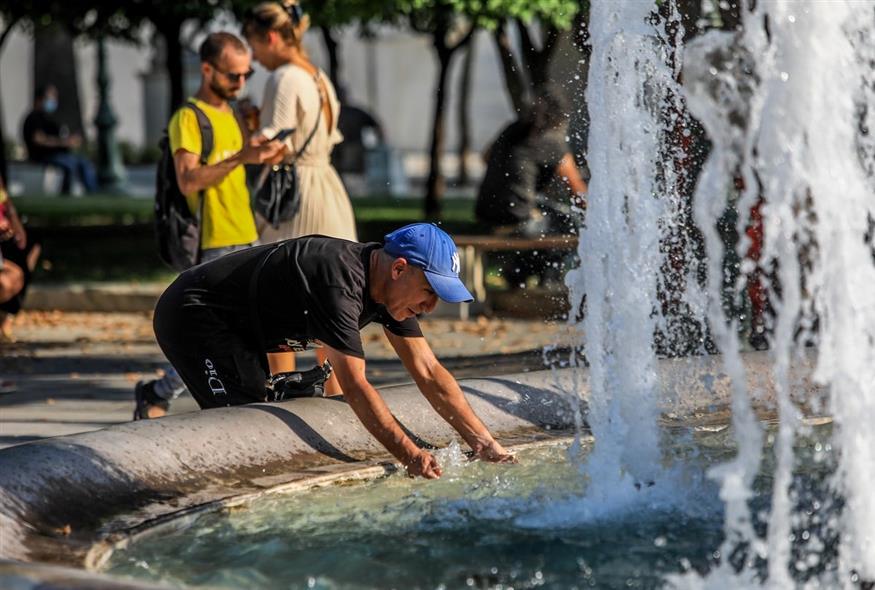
[[783, 103]]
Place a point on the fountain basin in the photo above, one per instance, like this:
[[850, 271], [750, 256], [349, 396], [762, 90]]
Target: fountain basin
[[67, 501]]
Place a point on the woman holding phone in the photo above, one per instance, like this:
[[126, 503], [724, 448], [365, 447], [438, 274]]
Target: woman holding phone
[[292, 98], [299, 96]]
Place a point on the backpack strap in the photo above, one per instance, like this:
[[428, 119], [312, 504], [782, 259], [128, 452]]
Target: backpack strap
[[206, 129]]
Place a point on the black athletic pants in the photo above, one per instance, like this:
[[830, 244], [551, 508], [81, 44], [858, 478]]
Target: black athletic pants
[[219, 365]]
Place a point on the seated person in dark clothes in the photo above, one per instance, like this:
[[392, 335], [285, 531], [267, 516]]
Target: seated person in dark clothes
[[18, 256], [521, 162], [47, 142], [527, 156]]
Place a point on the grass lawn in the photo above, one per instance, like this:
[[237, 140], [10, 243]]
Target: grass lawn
[[103, 210], [110, 238]]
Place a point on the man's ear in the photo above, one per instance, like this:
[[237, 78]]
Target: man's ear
[[205, 69], [399, 267]]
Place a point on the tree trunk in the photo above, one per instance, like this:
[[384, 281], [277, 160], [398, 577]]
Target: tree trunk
[[54, 62], [537, 61], [514, 80], [463, 113], [4, 166], [434, 187], [331, 46], [170, 31]]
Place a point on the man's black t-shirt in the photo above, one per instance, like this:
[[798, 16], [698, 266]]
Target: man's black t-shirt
[[310, 288], [40, 121], [519, 165]]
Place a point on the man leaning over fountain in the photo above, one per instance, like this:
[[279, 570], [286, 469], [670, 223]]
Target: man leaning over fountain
[[218, 320]]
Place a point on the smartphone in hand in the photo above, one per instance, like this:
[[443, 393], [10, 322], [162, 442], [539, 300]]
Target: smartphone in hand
[[282, 134]]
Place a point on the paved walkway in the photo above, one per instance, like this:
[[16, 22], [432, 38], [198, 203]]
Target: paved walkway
[[75, 372]]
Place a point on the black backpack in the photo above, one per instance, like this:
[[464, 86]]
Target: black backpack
[[177, 230]]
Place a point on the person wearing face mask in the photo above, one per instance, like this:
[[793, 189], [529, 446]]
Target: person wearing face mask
[[48, 144]]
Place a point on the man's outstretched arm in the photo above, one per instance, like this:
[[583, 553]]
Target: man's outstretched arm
[[444, 394], [370, 408]]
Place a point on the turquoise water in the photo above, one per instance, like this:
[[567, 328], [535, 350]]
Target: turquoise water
[[487, 526]]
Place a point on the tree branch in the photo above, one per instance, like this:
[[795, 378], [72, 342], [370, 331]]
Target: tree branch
[[464, 40], [527, 45], [551, 36], [513, 76]]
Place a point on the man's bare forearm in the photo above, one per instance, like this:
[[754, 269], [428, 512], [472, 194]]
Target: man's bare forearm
[[201, 178], [444, 394], [376, 417]]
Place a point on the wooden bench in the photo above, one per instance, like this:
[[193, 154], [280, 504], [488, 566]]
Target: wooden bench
[[475, 248]]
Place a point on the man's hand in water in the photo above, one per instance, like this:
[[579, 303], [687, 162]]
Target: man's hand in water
[[423, 464], [495, 453]]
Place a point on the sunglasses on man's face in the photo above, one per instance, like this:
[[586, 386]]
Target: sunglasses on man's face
[[234, 77]]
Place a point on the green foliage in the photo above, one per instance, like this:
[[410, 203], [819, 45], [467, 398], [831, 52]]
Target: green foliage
[[133, 154], [120, 20], [109, 210], [333, 13], [489, 13]]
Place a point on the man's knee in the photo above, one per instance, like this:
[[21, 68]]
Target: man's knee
[[11, 281]]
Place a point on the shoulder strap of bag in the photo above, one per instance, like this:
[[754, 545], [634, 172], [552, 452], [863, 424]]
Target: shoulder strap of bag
[[312, 133], [206, 129]]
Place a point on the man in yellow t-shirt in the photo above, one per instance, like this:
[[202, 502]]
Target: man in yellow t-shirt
[[216, 191], [227, 222]]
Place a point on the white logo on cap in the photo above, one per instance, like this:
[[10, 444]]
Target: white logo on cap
[[457, 266]]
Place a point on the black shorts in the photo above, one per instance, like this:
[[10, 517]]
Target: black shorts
[[219, 366]]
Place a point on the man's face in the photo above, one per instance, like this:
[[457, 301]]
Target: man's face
[[227, 76], [409, 293], [49, 100]]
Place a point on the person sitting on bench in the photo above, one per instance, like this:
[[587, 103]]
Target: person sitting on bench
[[49, 143], [527, 156], [520, 163]]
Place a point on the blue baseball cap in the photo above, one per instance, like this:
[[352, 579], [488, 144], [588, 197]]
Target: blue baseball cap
[[430, 248]]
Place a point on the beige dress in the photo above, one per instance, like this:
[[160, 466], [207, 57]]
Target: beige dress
[[291, 100]]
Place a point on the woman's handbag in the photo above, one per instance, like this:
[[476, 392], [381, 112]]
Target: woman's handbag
[[277, 194]]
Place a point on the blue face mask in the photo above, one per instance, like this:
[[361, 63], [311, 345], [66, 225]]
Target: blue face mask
[[50, 105]]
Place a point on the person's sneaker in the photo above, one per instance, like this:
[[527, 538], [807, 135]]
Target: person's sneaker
[[145, 396]]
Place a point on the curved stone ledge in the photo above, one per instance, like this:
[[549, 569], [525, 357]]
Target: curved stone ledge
[[59, 497]]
